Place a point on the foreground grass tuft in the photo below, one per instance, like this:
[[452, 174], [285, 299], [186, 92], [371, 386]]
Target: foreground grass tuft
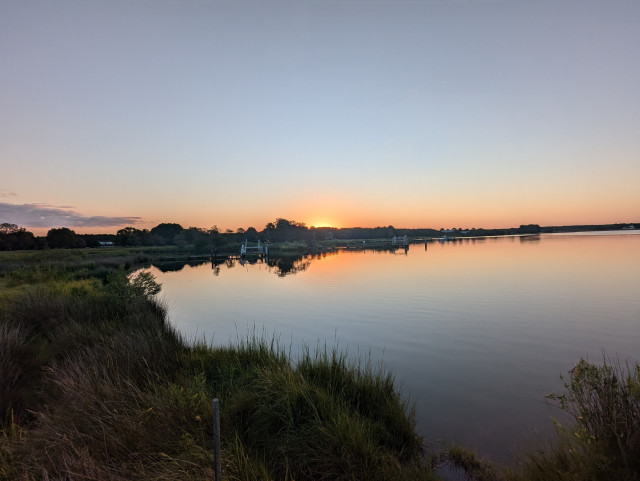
[[476, 468]]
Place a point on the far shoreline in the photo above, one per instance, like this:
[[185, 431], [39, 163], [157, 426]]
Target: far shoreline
[[283, 234]]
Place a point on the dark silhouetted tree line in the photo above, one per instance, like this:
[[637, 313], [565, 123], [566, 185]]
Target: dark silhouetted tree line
[[168, 234], [14, 238]]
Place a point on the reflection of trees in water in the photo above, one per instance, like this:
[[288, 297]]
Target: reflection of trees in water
[[457, 241], [281, 266], [287, 265], [530, 238], [250, 260], [216, 269], [175, 266]]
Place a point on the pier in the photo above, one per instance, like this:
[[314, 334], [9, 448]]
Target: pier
[[392, 243], [399, 241], [259, 250]]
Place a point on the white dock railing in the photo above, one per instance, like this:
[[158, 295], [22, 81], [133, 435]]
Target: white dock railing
[[399, 241], [259, 249]]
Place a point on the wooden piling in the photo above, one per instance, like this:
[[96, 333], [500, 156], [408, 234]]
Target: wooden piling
[[216, 439]]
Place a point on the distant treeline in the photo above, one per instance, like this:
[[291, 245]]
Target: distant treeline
[[13, 237]]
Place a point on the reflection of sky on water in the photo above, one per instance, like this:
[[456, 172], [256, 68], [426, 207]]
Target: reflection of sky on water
[[476, 331]]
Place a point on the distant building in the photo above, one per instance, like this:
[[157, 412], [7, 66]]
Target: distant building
[[106, 243]]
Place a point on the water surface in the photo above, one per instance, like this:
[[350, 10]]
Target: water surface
[[476, 331]]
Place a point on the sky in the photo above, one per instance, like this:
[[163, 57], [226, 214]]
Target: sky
[[421, 113]]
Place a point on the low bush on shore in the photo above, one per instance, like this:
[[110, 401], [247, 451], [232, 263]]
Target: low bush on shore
[[602, 443]]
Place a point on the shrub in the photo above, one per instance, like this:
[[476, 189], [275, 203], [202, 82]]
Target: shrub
[[604, 442]]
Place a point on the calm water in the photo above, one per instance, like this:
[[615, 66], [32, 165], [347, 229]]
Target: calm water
[[476, 331]]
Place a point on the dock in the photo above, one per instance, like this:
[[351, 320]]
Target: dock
[[259, 250]]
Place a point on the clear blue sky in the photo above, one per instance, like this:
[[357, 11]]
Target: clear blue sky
[[413, 113]]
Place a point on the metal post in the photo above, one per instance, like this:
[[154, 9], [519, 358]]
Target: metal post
[[216, 438]]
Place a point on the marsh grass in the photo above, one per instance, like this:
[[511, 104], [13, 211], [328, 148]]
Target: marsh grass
[[288, 247], [321, 417], [474, 467], [325, 416]]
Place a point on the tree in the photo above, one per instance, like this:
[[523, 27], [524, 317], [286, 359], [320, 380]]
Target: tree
[[192, 236], [130, 236], [214, 235], [166, 232], [530, 229], [6, 228], [64, 238], [285, 230], [251, 234], [13, 238]]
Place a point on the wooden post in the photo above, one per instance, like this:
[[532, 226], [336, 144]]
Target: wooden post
[[216, 439]]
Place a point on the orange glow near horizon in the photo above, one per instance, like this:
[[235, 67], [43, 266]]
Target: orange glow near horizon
[[323, 223], [340, 210]]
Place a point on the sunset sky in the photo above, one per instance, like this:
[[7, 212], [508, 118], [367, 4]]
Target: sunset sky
[[421, 113]]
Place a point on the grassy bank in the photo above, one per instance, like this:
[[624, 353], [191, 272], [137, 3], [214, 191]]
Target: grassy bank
[[97, 385]]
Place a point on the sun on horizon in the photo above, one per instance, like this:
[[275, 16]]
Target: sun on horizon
[[323, 223]]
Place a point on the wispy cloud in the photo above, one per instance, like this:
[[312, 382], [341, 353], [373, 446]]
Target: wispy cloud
[[4, 193], [44, 215]]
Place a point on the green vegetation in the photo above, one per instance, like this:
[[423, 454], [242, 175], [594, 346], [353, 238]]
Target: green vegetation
[[97, 385], [602, 444], [467, 461], [604, 441]]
